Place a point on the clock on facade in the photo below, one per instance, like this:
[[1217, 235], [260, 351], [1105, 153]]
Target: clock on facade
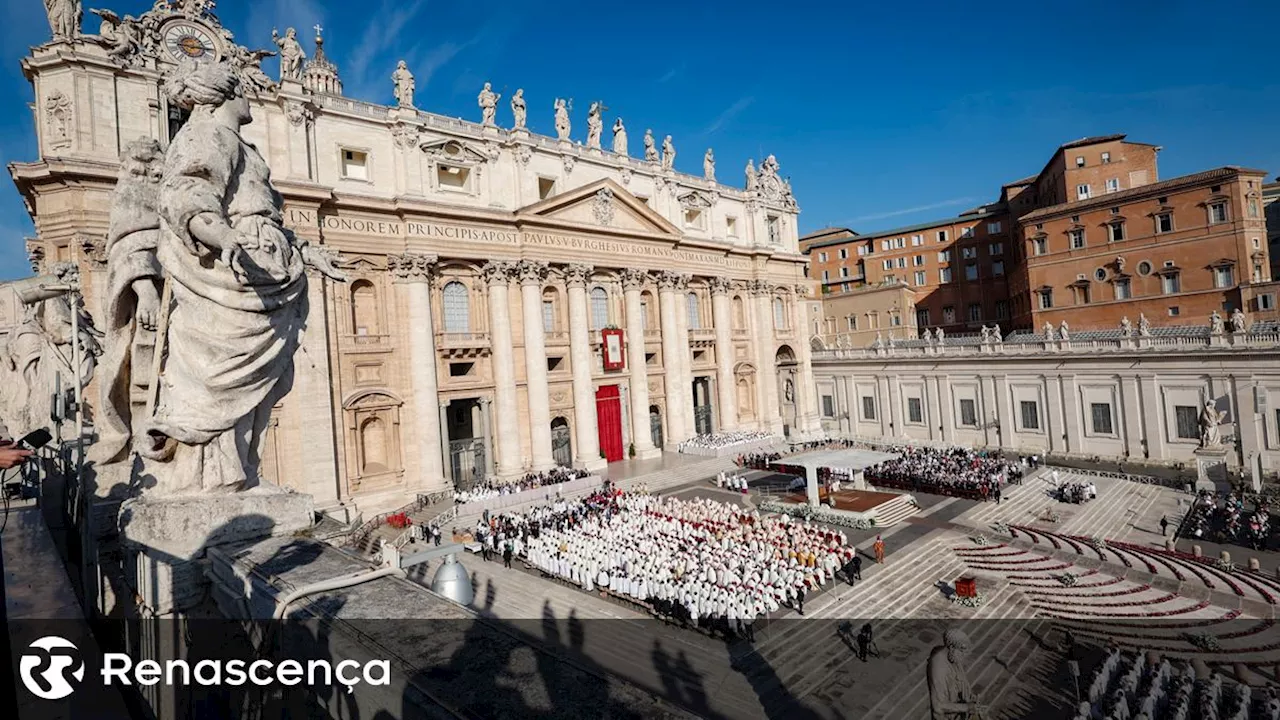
[[189, 41]]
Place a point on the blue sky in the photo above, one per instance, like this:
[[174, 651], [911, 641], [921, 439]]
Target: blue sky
[[882, 114]]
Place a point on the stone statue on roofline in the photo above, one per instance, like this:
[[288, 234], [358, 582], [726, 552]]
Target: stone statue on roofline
[[668, 153], [619, 137], [488, 102], [1144, 325], [650, 148], [1064, 330], [709, 166], [402, 79], [1215, 323], [562, 119], [1126, 327], [519, 110], [64, 18], [291, 54], [1238, 322], [595, 126], [1048, 332]]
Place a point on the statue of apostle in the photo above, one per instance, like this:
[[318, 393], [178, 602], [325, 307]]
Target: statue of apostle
[[518, 110], [619, 137], [668, 154], [64, 18], [562, 119], [404, 85], [650, 149], [595, 126], [488, 101], [291, 54], [709, 166]]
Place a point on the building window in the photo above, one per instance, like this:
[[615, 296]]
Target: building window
[[1077, 238], [457, 308], [731, 227], [922, 317], [942, 236], [997, 268], [1082, 192], [902, 261], [355, 165], [826, 275], [967, 232], [915, 411], [1175, 311], [695, 315], [1101, 416], [1267, 301], [1187, 418], [452, 177], [1106, 158], [1123, 289], [1253, 207], [851, 322], [644, 313], [546, 187], [917, 240], [868, 407], [844, 272], [944, 275], [694, 218], [1079, 161], [863, 250], [948, 315], [1164, 222], [971, 271], [822, 257], [1144, 268], [549, 315], [918, 260], [1002, 309], [1170, 283], [975, 313], [921, 278], [1039, 246], [844, 253], [1113, 185], [779, 314], [969, 253], [887, 264], [1217, 212], [1115, 232], [828, 406], [968, 412], [944, 256], [1081, 293], [844, 287], [1046, 298], [1224, 277], [599, 308], [1030, 415], [993, 227], [995, 249]]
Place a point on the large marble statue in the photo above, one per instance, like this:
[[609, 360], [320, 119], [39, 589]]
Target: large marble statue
[[1210, 420], [709, 166], [668, 154], [1215, 323], [239, 295], [753, 180], [120, 36], [404, 86], [518, 110], [132, 302], [291, 55], [1144, 325], [64, 18], [1126, 327], [562, 119], [1064, 330], [595, 126], [650, 148], [1048, 331], [1238, 322], [619, 137], [488, 101], [950, 695]]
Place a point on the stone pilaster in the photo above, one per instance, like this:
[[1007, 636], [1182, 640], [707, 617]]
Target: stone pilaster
[[766, 369], [673, 345], [313, 398], [686, 355], [806, 389], [587, 434], [722, 318], [413, 272], [633, 281], [497, 275], [533, 274]]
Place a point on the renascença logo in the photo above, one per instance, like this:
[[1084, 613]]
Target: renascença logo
[[50, 666]]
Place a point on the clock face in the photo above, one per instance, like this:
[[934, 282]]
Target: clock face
[[188, 41]]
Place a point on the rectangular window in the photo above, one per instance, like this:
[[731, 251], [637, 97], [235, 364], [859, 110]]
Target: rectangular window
[[899, 243], [917, 240], [1175, 311], [975, 313], [851, 322], [995, 249], [884, 245], [1002, 309], [1030, 415], [1046, 299], [453, 177], [915, 410], [1188, 421], [694, 218], [968, 412], [844, 287], [1115, 232], [922, 317], [1218, 212], [773, 230], [1079, 161], [948, 315], [944, 256], [868, 407], [1266, 301], [355, 165], [918, 260], [969, 253], [546, 187], [993, 227], [1101, 416], [1077, 238], [1082, 192], [1123, 289], [826, 275], [1164, 222], [1039, 246], [844, 253], [828, 406], [944, 275], [888, 264], [902, 262], [1113, 185], [997, 268], [863, 250], [971, 271], [844, 272], [942, 236], [1224, 277], [1171, 283], [921, 278], [966, 233], [548, 316], [1106, 158], [731, 227], [822, 257]]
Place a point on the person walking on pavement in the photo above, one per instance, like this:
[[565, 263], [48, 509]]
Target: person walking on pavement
[[1164, 526], [506, 555], [857, 567], [997, 494], [864, 642], [879, 549]]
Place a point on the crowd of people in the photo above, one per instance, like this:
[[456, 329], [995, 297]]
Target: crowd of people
[[1077, 493], [758, 460], [1224, 519], [732, 482], [957, 472], [697, 562], [719, 441], [490, 490]]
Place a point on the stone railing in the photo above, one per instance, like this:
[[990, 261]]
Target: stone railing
[[366, 528], [366, 339], [462, 339]]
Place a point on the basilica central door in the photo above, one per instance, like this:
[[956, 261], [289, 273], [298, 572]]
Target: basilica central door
[[609, 421]]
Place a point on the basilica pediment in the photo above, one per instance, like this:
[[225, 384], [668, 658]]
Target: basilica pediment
[[454, 151], [603, 203]]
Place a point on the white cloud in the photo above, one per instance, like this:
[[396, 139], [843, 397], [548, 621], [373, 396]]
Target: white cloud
[[729, 114], [912, 210]]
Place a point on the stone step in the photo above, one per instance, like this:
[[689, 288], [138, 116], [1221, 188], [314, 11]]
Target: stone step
[[894, 512]]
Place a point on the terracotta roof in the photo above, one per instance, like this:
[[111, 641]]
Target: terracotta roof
[[1114, 198], [890, 233], [1019, 183], [1091, 141], [825, 231]]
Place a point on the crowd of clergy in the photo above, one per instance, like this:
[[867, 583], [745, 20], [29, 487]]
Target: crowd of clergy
[[717, 441], [490, 490], [957, 471]]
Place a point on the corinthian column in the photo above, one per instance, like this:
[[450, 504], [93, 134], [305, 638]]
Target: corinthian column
[[413, 272], [586, 435], [314, 397], [669, 284], [497, 274], [805, 387], [686, 355], [766, 372], [722, 317], [633, 281], [533, 273]]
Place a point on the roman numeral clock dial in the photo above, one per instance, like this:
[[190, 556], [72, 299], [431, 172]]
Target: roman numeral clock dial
[[187, 41]]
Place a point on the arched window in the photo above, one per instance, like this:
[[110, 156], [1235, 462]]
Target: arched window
[[779, 314], [695, 317], [364, 308], [373, 445], [739, 313], [457, 308], [599, 308]]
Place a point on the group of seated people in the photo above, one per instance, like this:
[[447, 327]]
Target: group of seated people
[[716, 441], [1130, 684], [700, 561], [1225, 518], [956, 472], [757, 461], [488, 491]]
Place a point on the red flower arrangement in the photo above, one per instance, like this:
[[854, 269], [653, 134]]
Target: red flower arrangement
[[399, 521], [1086, 573], [997, 568], [1056, 584], [1114, 593]]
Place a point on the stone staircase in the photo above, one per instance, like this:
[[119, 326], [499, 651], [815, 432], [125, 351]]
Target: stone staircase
[[894, 511]]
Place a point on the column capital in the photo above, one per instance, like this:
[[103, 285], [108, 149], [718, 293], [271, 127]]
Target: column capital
[[759, 287], [497, 272], [634, 278], [801, 290], [721, 285], [412, 267], [577, 274], [532, 272], [671, 280], [329, 252]]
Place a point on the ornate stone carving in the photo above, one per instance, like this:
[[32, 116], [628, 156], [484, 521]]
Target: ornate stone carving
[[569, 161], [497, 272], [694, 200], [122, 37], [1210, 421], [488, 102], [595, 126], [671, 280], [578, 274], [291, 54], [626, 176], [721, 286], [299, 112], [412, 267], [770, 185], [58, 118], [532, 272], [35, 255], [668, 153], [330, 255], [406, 137], [634, 278], [94, 249], [650, 148], [709, 166], [562, 119], [519, 110], [402, 81], [801, 291], [602, 206], [759, 287], [619, 137], [64, 18], [522, 153]]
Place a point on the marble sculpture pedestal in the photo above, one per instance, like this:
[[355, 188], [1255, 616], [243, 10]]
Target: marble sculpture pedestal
[[165, 539], [1211, 462]]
